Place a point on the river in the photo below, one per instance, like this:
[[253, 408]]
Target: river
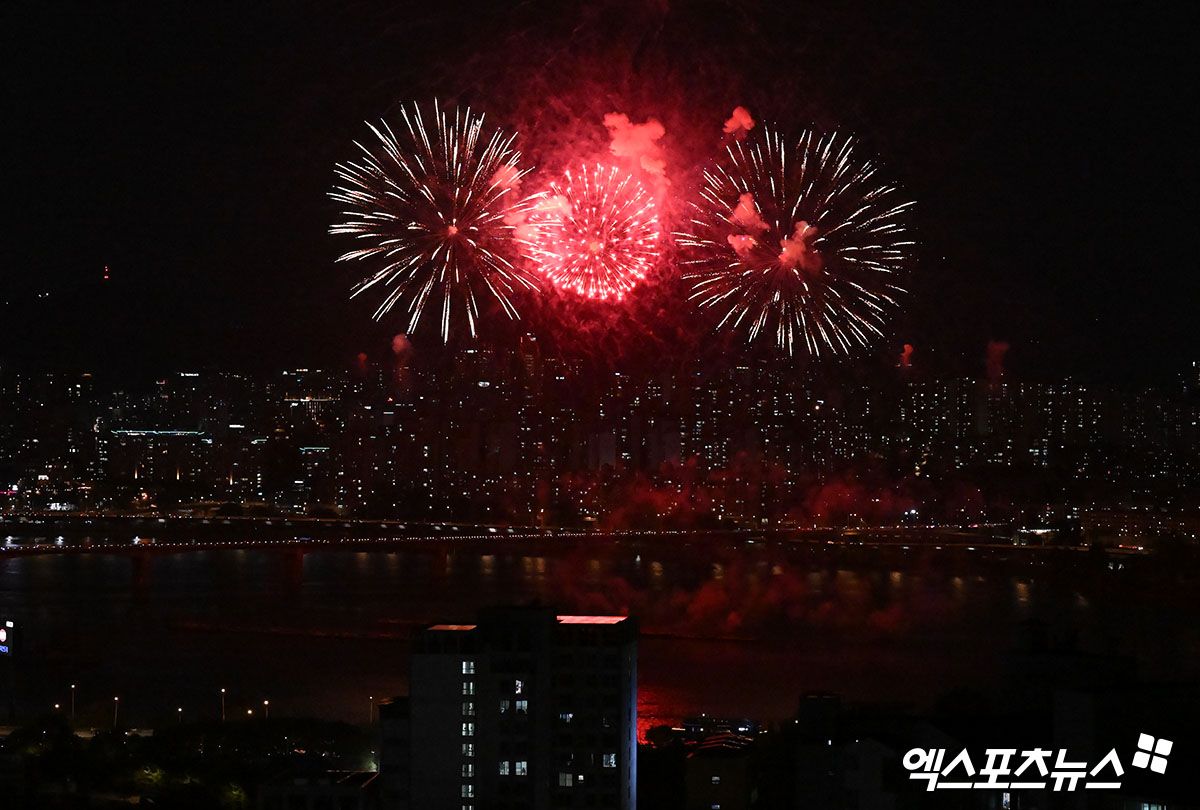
[[739, 630]]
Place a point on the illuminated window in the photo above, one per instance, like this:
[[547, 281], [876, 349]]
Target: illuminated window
[[504, 767], [518, 686], [468, 729], [468, 667], [566, 717], [522, 707], [468, 749], [468, 770], [610, 761], [504, 704], [716, 780], [566, 780], [468, 791], [468, 709], [468, 687], [521, 768]]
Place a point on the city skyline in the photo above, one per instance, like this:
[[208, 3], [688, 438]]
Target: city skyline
[[533, 440]]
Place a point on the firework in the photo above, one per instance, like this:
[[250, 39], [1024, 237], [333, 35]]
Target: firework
[[594, 233], [433, 203], [808, 245]]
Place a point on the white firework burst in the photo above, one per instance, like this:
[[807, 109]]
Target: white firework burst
[[807, 244], [432, 202]]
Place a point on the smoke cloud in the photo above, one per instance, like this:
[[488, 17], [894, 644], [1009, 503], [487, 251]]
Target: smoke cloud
[[638, 142], [996, 350], [745, 214], [401, 345], [507, 176], [402, 350], [796, 251], [555, 204], [906, 356], [524, 231], [739, 123], [742, 245]]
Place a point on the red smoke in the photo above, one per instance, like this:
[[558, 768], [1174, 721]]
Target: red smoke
[[401, 346], [555, 204], [996, 349], [742, 245], [402, 350], [507, 176], [739, 123], [850, 501], [797, 251], [524, 231], [738, 598], [745, 214], [638, 142], [906, 356]]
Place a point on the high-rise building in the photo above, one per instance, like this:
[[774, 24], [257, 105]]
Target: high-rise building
[[525, 709]]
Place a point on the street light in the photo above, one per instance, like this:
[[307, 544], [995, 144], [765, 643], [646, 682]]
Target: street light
[[266, 709], [179, 714], [116, 707], [222, 704], [371, 710], [72, 703]]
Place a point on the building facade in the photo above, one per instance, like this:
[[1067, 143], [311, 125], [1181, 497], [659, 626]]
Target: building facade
[[525, 709]]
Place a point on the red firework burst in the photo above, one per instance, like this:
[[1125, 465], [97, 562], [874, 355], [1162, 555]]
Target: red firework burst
[[594, 233]]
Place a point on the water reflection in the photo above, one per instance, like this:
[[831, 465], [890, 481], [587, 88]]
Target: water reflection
[[1021, 595], [720, 634]]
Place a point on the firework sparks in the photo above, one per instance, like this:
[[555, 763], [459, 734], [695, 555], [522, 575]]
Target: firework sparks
[[594, 233], [808, 245], [433, 203]]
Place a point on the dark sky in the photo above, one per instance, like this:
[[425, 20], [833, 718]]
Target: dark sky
[[189, 147]]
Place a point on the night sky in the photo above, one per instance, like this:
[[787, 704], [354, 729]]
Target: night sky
[[189, 147]]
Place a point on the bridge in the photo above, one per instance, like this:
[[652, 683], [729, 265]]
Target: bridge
[[58, 533]]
